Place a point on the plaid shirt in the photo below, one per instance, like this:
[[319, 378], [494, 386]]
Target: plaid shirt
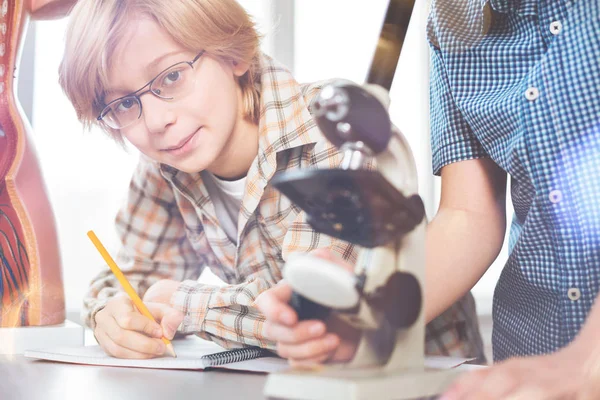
[[519, 82], [170, 230]]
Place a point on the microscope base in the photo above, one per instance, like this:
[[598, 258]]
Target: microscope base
[[358, 384]]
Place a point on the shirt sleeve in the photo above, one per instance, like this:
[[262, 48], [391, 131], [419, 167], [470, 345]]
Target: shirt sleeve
[[452, 139], [225, 315], [154, 244]]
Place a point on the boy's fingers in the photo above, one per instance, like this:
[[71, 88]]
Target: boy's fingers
[[121, 303], [135, 321], [168, 317], [466, 384], [310, 363], [273, 303], [116, 350], [302, 332], [132, 340], [160, 311], [171, 322], [281, 292], [308, 350]]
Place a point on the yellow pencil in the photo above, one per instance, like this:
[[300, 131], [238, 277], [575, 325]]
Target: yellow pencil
[[126, 285]]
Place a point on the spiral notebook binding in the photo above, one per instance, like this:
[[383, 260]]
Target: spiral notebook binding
[[236, 355]]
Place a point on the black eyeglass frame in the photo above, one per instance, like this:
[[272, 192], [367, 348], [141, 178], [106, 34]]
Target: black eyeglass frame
[[140, 92]]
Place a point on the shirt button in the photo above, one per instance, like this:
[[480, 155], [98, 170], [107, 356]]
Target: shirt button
[[532, 93], [555, 196], [555, 27], [574, 294]]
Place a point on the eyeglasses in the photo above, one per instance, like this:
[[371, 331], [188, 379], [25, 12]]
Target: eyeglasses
[[175, 81]]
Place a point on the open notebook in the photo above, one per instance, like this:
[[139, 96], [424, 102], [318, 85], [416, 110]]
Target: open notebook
[[190, 352], [189, 356]]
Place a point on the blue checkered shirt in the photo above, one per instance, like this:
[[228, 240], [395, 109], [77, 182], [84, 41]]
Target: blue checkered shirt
[[518, 81]]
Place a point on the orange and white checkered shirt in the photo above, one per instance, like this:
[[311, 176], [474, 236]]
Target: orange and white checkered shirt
[[169, 230]]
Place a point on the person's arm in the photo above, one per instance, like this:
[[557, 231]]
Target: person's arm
[[161, 264], [466, 234], [226, 314], [462, 241], [154, 245], [229, 315]]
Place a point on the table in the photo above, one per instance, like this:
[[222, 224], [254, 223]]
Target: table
[[24, 379]]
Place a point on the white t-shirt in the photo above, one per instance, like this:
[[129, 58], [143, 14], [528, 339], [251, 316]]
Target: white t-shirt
[[227, 199]]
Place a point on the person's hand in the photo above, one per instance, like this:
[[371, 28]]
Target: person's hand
[[161, 291], [566, 374], [123, 332], [310, 342]]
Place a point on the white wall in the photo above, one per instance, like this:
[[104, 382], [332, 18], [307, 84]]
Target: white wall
[[87, 174]]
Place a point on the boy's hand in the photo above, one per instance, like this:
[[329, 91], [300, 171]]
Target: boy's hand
[[571, 373], [305, 343], [125, 333], [161, 291]]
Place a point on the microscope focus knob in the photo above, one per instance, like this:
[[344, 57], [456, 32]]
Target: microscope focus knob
[[322, 282], [400, 299]]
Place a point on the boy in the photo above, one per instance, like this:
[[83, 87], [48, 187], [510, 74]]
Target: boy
[[514, 90], [214, 119]]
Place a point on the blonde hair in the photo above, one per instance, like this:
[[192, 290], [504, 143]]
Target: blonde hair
[[220, 27]]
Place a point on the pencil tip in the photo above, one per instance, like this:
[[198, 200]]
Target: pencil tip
[[171, 350]]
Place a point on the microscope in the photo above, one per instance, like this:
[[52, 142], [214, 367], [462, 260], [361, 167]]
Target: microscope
[[370, 200]]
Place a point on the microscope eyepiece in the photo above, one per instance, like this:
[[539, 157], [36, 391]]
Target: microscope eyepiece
[[347, 113]]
